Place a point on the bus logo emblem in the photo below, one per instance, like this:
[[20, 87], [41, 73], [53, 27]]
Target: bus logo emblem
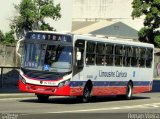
[[41, 82]]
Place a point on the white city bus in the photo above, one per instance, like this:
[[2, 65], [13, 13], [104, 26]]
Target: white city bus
[[62, 64]]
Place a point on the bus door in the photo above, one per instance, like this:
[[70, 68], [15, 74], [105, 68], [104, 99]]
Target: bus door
[[78, 65], [79, 56]]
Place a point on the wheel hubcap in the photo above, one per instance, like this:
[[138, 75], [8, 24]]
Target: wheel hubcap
[[86, 93], [129, 91]]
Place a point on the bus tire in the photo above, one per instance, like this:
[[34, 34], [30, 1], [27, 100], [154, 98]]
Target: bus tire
[[86, 94], [129, 91], [42, 98]]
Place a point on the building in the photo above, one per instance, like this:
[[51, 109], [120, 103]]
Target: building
[[95, 10], [105, 17], [124, 29]]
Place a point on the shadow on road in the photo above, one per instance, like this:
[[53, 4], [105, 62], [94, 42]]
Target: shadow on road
[[74, 100]]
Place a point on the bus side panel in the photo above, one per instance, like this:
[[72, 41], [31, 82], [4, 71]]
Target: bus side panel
[[109, 90], [111, 80], [98, 90], [143, 80], [141, 89], [76, 91], [102, 91], [77, 85]]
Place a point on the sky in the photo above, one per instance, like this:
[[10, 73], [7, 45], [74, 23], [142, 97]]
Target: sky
[[7, 12]]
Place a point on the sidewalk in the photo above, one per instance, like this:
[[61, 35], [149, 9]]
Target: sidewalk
[[16, 95], [13, 93]]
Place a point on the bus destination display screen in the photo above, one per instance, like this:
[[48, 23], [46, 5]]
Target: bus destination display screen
[[49, 37]]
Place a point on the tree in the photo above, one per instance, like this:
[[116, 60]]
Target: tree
[[1, 36], [32, 14], [157, 40], [146, 35], [7, 38], [151, 10]]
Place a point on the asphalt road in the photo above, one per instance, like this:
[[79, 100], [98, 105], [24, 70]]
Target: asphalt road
[[141, 106]]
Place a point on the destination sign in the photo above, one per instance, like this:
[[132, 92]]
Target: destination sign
[[48, 36]]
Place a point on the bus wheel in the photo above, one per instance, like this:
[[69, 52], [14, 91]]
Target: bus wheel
[[42, 98], [86, 94], [129, 91]]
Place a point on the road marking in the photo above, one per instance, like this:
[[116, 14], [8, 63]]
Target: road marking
[[152, 105]]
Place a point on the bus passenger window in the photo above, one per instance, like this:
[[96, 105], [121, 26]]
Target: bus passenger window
[[100, 54], [91, 47], [149, 57], [101, 60], [90, 53], [128, 55], [100, 49], [142, 59], [90, 59], [135, 57], [119, 55], [109, 54]]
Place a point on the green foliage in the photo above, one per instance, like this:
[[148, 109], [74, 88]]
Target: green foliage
[[137, 10], [7, 38], [157, 40], [45, 27], [151, 10], [145, 34], [32, 14]]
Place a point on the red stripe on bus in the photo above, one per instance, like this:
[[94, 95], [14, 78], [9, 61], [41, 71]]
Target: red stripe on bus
[[140, 89], [102, 91], [111, 90]]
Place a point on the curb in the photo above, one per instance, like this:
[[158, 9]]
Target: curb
[[16, 95]]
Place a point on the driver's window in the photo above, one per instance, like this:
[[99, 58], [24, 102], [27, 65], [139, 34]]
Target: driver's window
[[50, 54]]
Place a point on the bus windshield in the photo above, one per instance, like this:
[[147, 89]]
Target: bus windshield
[[52, 58]]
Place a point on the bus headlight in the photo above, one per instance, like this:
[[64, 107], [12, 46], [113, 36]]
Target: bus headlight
[[67, 82], [22, 79], [63, 83]]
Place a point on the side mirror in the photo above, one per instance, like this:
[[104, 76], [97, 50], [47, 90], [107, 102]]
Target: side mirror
[[78, 56]]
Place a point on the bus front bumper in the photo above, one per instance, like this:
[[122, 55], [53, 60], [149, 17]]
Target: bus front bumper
[[48, 90]]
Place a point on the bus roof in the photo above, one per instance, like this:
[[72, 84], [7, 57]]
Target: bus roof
[[52, 32], [114, 40]]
